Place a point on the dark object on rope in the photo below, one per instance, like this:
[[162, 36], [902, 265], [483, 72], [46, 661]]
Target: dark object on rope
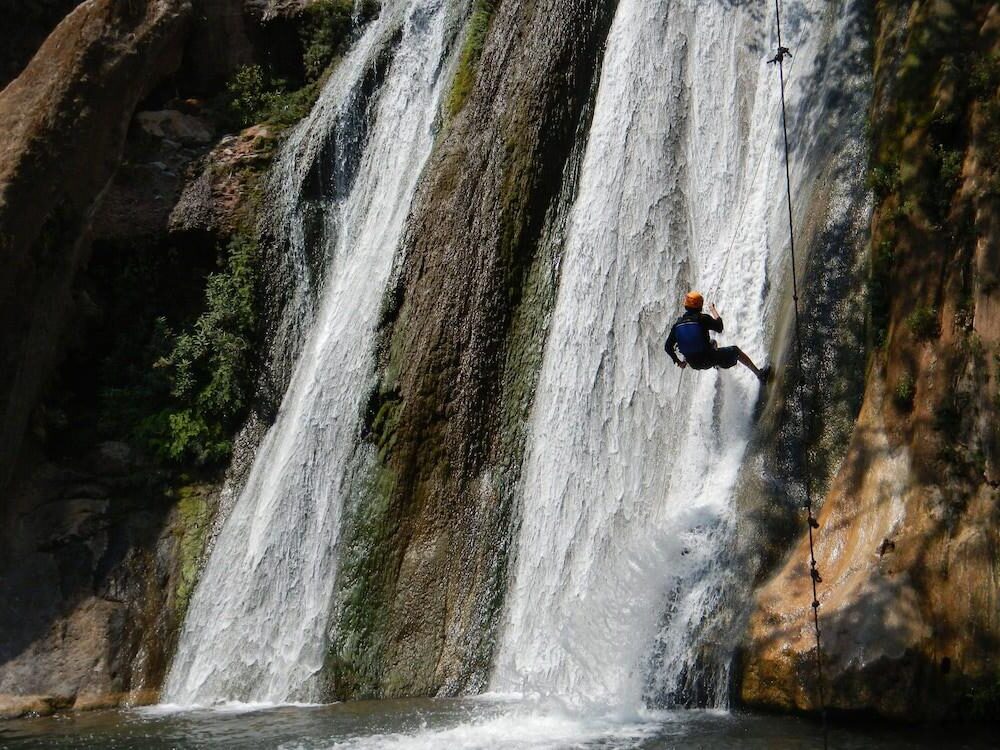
[[779, 58]]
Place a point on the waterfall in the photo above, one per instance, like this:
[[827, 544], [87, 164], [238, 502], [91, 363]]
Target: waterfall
[[627, 505], [256, 626]]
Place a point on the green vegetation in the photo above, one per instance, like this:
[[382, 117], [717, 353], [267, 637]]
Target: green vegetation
[[193, 516], [328, 29], [180, 395], [904, 392], [984, 76], [883, 179], [924, 323], [210, 365], [472, 51], [177, 380], [949, 165], [248, 95], [256, 95]]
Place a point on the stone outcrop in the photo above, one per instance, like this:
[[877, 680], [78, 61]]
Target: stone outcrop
[[218, 198], [159, 153], [909, 546], [65, 120]]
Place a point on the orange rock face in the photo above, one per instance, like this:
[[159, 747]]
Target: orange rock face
[[909, 544]]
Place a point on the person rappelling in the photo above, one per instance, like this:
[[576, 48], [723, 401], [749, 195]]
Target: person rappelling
[[691, 335]]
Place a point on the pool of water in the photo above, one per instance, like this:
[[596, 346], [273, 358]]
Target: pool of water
[[453, 724]]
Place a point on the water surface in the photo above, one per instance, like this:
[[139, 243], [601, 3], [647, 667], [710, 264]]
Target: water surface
[[452, 724]]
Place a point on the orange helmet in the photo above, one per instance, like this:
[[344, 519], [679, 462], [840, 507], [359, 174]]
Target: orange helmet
[[694, 301]]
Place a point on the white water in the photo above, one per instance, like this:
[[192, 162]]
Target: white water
[[516, 727], [255, 628], [627, 494]]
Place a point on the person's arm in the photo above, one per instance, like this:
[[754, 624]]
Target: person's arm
[[714, 321], [670, 346]]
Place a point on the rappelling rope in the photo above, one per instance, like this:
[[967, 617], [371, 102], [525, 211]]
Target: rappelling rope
[[713, 293], [715, 288], [779, 58]]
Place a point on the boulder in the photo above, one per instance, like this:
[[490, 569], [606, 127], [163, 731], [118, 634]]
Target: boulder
[[25, 25]]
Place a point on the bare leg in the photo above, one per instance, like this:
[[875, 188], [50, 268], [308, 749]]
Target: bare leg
[[745, 360]]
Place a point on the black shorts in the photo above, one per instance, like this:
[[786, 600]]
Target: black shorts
[[724, 357]]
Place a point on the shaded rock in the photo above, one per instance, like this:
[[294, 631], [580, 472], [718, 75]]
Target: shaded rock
[[95, 574], [159, 150], [113, 458], [81, 88], [26, 24], [267, 10], [175, 125], [218, 45]]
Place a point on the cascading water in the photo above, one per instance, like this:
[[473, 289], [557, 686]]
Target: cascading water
[[256, 626], [627, 495]]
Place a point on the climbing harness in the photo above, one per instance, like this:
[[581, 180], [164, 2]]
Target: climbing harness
[[779, 59]]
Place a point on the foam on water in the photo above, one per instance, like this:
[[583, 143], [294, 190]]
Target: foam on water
[[224, 707], [524, 728]]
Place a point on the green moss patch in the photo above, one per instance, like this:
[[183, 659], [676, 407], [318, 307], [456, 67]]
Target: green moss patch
[[191, 528], [472, 52]]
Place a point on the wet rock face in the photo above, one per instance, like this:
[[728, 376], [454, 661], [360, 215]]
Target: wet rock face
[[81, 88], [423, 600], [908, 545]]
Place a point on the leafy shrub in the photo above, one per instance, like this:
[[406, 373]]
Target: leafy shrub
[[254, 96], [248, 96], [949, 177], [210, 365], [984, 76], [472, 51], [288, 107], [951, 166], [924, 323], [904, 392]]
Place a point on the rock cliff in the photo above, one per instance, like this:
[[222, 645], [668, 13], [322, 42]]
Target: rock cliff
[[81, 88], [908, 545], [136, 137]]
